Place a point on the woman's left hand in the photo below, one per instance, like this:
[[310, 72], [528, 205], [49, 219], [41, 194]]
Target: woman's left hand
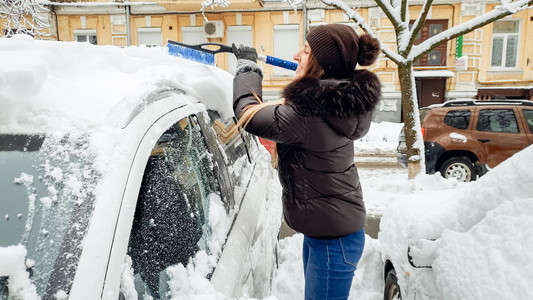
[[244, 52]]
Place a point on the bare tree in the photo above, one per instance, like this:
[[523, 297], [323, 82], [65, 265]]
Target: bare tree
[[397, 11], [24, 16]]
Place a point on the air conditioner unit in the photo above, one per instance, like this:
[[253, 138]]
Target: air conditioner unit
[[214, 29]]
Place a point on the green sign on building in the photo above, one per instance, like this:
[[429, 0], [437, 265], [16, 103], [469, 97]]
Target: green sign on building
[[459, 46]]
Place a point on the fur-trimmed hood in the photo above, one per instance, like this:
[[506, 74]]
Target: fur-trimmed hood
[[335, 98], [343, 104]]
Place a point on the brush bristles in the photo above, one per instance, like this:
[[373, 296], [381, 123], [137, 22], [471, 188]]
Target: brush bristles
[[191, 54]]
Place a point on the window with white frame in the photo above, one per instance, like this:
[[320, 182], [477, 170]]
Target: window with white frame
[[85, 35], [238, 35], [505, 41], [193, 35], [286, 44], [149, 36]]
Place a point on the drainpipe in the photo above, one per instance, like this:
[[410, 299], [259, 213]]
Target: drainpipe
[[128, 33], [304, 11]]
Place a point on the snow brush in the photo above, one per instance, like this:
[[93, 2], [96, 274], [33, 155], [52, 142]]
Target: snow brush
[[201, 54]]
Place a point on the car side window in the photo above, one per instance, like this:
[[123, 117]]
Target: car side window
[[497, 120], [458, 119], [173, 205], [528, 115]]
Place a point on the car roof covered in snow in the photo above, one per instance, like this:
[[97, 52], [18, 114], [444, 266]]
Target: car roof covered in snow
[[46, 85]]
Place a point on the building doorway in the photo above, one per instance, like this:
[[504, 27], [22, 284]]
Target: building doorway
[[430, 90]]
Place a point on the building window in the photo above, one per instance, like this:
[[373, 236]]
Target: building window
[[505, 44], [86, 35], [286, 44], [193, 35], [149, 36], [437, 56], [238, 35]]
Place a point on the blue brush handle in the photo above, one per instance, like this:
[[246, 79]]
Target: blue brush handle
[[278, 62]]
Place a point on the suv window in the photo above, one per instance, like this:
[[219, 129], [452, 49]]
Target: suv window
[[458, 119], [497, 120], [528, 115], [173, 205]]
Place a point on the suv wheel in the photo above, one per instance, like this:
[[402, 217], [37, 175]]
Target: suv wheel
[[392, 289], [459, 167]]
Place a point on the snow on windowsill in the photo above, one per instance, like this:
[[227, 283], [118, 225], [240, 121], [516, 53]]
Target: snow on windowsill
[[434, 73]]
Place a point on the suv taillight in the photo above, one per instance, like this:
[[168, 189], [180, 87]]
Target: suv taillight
[[423, 132]]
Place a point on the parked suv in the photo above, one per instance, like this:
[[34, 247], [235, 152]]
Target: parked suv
[[466, 138]]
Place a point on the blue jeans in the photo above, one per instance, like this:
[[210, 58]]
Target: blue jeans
[[329, 265]]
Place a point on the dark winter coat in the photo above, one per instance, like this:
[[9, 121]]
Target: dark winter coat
[[314, 131]]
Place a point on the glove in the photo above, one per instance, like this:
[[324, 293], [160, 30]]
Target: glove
[[244, 52]]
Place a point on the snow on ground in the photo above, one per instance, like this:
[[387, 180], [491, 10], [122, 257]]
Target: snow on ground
[[381, 139]]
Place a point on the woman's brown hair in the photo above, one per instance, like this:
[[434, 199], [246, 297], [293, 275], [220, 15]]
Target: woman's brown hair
[[312, 69]]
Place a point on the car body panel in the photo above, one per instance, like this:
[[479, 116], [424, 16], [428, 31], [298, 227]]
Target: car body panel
[[499, 146]]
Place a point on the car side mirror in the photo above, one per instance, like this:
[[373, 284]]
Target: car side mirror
[[421, 253]]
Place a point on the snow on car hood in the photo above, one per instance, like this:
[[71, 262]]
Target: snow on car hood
[[478, 235], [49, 86]]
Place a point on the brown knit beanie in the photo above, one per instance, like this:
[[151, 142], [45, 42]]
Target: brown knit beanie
[[338, 49]]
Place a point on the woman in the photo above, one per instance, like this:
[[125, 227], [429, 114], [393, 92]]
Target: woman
[[327, 106]]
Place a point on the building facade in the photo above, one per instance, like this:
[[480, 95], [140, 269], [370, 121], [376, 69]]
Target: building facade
[[491, 62]]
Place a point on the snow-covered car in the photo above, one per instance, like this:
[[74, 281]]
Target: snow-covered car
[[473, 242], [120, 177]]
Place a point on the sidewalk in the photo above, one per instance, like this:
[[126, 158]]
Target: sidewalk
[[376, 161]]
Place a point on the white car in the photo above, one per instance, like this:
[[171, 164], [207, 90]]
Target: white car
[[119, 174], [471, 242]]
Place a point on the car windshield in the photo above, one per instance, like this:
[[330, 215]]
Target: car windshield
[[45, 205]]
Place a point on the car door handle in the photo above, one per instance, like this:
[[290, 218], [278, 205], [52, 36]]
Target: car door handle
[[484, 140]]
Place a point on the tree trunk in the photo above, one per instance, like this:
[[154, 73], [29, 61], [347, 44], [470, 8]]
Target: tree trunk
[[412, 129]]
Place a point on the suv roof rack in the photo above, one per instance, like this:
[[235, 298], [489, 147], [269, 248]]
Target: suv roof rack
[[487, 102]]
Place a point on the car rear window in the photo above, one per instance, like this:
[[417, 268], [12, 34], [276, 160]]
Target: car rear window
[[458, 119]]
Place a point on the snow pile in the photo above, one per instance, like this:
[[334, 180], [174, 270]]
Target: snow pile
[[381, 189], [458, 138], [481, 231], [382, 138], [491, 236], [56, 85], [13, 265], [288, 282]]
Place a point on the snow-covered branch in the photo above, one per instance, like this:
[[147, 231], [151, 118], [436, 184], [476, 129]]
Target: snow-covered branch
[[24, 16], [294, 3], [419, 22], [353, 15], [404, 12], [213, 4], [480, 21], [390, 12]]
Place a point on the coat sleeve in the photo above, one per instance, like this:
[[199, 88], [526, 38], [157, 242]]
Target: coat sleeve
[[278, 123]]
